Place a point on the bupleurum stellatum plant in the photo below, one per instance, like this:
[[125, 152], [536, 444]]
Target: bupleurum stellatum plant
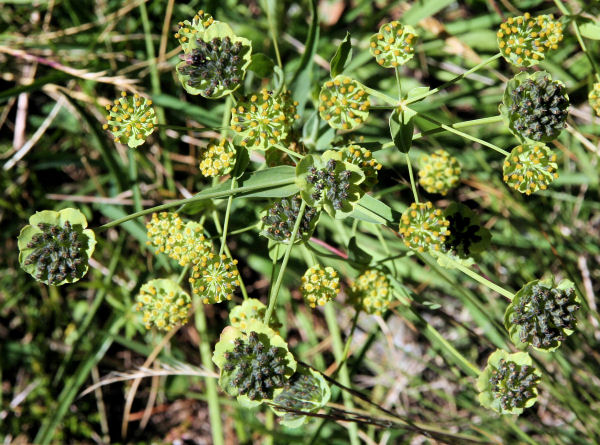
[[294, 186]]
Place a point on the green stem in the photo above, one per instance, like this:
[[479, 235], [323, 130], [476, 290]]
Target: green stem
[[454, 80], [184, 128], [199, 197], [482, 280], [273, 31], [133, 178], [584, 49], [336, 342], [398, 83], [382, 96], [412, 178], [465, 135], [238, 231], [286, 257], [226, 221], [292, 154], [214, 409], [183, 273]]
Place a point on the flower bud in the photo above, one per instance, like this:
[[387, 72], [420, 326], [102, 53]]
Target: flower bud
[[439, 172], [218, 159], [163, 304], [214, 278], [530, 167], [131, 119], [279, 220], [319, 285], [394, 44], [371, 292], [423, 227], [344, 103]]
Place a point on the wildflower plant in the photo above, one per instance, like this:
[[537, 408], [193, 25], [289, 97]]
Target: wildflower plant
[[214, 278], [344, 103], [525, 40], [306, 391], [534, 106], [251, 310], [255, 364], [131, 119], [319, 285], [530, 167], [393, 45], [371, 292], [362, 158], [215, 63], [164, 304], [509, 382], [542, 314], [424, 227], [218, 159], [55, 247], [439, 172], [278, 220], [264, 119], [190, 31]]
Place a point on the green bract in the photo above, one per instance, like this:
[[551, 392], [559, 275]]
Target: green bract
[[279, 219], [183, 242], [524, 40], [329, 182], [164, 304], [306, 391], [534, 106], [423, 227], [530, 167], [214, 278], [594, 98], [467, 236], [56, 246], [362, 158], [508, 384], [189, 32], [344, 103], [218, 158], [371, 292], [264, 119], [131, 119], [255, 364], [393, 45], [216, 63], [542, 314], [439, 172], [319, 285]]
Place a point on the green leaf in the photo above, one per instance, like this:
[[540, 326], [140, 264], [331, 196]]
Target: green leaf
[[372, 210], [342, 56], [356, 254], [423, 9], [590, 30], [402, 128], [262, 65]]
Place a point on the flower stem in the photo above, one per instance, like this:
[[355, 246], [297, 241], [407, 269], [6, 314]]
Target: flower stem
[[226, 221], [133, 178], [454, 80], [382, 96], [286, 257], [412, 179]]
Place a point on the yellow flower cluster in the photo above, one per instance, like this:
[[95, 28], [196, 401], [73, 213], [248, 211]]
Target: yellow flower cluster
[[185, 243], [131, 119], [524, 40], [218, 159], [319, 285], [343, 103], [594, 98], [214, 278], [163, 304], [251, 310], [530, 167], [423, 227], [188, 31], [439, 172], [393, 45], [264, 119], [363, 158], [371, 292]]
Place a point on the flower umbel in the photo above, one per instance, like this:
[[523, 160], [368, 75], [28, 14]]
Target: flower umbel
[[188, 31], [280, 218], [530, 167], [509, 382], [423, 227], [214, 278], [56, 246], [218, 159], [264, 119], [362, 158], [343, 103], [319, 285], [525, 40], [393, 45], [439, 172], [542, 314], [371, 292], [131, 119], [535, 107], [164, 304]]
